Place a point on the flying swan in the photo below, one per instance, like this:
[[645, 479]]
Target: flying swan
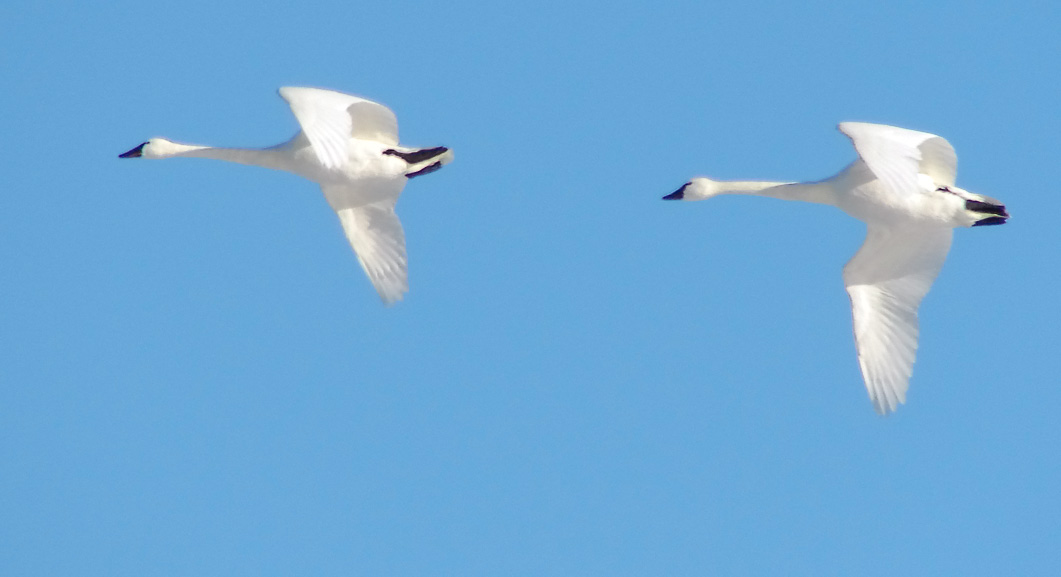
[[349, 146], [902, 187]]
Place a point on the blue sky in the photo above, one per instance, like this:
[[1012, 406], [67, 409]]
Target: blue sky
[[197, 378]]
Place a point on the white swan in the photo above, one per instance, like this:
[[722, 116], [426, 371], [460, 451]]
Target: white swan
[[902, 187], [349, 146]]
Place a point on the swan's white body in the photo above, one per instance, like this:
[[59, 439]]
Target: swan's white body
[[902, 187], [349, 146]]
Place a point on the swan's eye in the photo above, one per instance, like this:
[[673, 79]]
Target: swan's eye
[[943, 189]]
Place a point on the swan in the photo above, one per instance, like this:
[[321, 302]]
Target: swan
[[902, 187], [349, 146]]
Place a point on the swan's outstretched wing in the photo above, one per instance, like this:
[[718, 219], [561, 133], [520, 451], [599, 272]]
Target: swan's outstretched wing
[[886, 281], [376, 235], [897, 155], [329, 119], [374, 231]]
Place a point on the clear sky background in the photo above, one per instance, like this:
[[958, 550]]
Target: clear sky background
[[197, 379]]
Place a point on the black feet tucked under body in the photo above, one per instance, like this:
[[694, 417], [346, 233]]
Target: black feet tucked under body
[[990, 220], [425, 170], [986, 208], [997, 211], [417, 156]]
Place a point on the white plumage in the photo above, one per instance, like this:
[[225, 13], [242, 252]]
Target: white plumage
[[349, 146], [902, 187]]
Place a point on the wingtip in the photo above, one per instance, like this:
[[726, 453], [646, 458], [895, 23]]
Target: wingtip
[[134, 153], [392, 295], [677, 194], [886, 405], [286, 92]]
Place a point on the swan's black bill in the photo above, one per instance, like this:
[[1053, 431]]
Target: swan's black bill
[[417, 156], [425, 170], [134, 153], [677, 194]]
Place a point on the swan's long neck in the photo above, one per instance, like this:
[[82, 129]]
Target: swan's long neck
[[820, 192], [276, 157]]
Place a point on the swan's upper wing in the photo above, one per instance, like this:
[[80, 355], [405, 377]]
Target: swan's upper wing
[[329, 119], [375, 234], [886, 281], [897, 155]]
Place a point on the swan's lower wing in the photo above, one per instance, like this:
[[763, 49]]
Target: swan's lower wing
[[376, 235], [886, 281]]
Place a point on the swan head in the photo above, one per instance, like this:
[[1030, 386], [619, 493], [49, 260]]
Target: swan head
[[699, 188], [155, 148]]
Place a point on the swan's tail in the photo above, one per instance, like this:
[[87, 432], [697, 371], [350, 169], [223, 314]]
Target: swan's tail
[[424, 160]]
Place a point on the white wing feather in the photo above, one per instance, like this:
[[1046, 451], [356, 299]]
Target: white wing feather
[[373, 121], [897, 155], [376, 235], [329, 119], [886, 281]]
